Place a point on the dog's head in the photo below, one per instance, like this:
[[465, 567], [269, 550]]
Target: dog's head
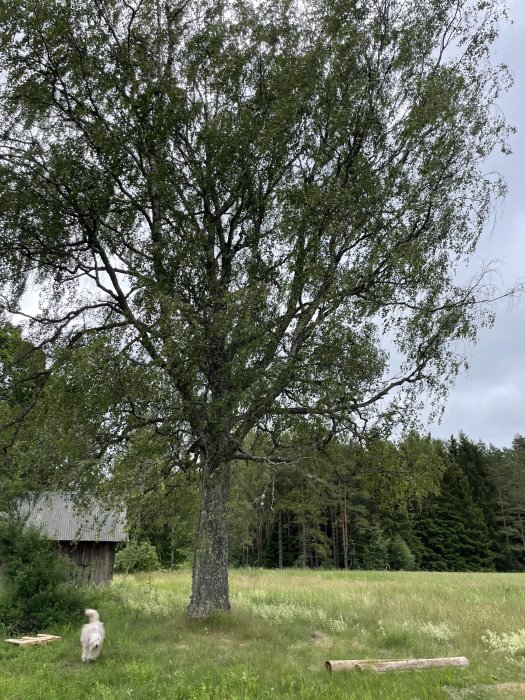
[[95, 640]]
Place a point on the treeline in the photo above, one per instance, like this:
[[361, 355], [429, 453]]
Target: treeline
[[419, 504]]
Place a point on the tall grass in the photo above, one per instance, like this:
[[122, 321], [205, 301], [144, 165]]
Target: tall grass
[[283, 626]]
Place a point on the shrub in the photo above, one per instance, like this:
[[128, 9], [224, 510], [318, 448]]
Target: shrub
[[137, 556], [400, 557], [37, 592], [375, 553], [507, 642]]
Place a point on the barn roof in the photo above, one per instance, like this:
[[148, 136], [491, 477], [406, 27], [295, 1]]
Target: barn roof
[[58, 517]]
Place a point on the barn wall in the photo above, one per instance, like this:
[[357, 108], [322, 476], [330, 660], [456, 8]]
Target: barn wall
[[94, 559]]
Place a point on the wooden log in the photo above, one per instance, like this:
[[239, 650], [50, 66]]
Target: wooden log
[[346, 665], [395, 664]]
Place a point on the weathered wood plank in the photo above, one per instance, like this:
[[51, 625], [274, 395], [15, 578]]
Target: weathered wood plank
[[29, 641]]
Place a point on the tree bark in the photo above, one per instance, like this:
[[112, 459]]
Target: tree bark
[[280, 539], [335, 539], [209, 591], [522, 533], [504, 520], [304, 553], [344, 529], [258, 541]]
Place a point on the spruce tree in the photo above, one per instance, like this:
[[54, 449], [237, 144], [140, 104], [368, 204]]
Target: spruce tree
[[507, 470], [472, 459], [451, 528]]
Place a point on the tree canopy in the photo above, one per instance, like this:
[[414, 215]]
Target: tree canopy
[[258, 207]]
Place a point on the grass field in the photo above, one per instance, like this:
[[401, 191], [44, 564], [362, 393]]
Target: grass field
[[284, 625]]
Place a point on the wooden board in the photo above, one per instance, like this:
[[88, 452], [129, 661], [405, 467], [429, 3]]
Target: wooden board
[[39, 639]]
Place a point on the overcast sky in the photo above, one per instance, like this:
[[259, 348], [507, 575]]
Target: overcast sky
[[488, 403]]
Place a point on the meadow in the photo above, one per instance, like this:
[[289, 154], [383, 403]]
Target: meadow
[[283, 626]]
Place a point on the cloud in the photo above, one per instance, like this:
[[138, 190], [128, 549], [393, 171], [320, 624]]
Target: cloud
[[488, 403]]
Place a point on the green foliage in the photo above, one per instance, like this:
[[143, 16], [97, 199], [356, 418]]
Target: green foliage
[[21, 368], [161, 499], [36, 592], [22, 379], [474, 462], [400, 557], [345, 508], [451, 528], [375, 553], [137, 556], [506, 469]]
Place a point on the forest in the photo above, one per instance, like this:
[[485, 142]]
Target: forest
[[409, 504], [416, 504]]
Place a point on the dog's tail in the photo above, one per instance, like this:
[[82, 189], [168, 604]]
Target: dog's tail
[[93, 615]]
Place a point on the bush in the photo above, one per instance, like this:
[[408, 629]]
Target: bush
[[36, 592], [137, 556], [400, 557], [375, 553]]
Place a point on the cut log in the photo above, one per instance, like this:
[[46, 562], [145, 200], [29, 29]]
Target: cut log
[[29, 641], [347, 665], [394, 665]]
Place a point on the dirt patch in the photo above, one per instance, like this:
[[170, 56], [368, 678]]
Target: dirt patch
[[320, 639], [510, 691], [513, 690]]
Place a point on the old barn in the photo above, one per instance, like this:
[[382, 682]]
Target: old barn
[[88, 534]]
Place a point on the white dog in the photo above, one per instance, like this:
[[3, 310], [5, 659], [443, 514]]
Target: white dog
[[92, 636]]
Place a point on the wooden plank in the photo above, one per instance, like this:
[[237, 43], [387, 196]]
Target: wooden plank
[[29, 641], [395, 664]]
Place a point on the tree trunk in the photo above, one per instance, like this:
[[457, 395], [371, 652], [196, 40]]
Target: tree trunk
[[500, 497], [304, 553], [172, 549], [209, 590], [280, 539], [258, 541], [335, 539], [344, 527]]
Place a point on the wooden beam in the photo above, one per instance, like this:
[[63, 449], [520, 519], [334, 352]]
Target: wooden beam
[[394, 665]]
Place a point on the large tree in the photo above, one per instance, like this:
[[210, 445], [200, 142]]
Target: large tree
[[261, 202]]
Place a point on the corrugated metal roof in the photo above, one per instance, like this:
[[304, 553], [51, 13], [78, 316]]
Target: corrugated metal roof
[[59, 518]]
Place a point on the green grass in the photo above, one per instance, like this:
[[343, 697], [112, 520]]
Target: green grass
[[284, 625]]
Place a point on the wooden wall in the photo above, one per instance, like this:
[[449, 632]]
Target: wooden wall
[[94, 559]]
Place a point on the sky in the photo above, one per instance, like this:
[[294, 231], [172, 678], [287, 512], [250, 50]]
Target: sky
[[488, 402]]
